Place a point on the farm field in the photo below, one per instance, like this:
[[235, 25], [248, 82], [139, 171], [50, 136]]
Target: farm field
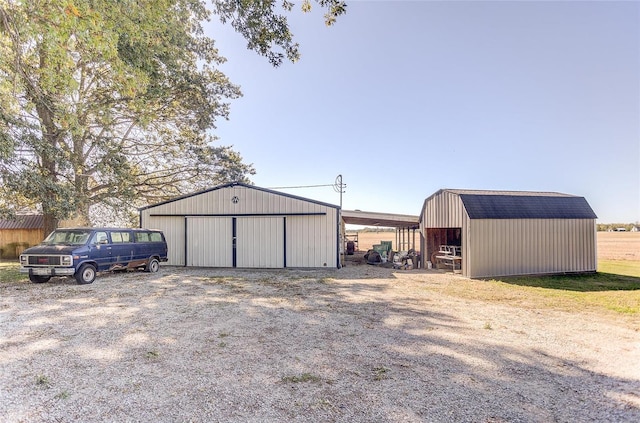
[[366, 240], [619, 246]]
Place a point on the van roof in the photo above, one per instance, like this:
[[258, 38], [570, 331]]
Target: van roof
[[84, 228]]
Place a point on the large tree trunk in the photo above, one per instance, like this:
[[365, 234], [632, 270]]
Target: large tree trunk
[[50, 223], [80, 218], [50, 133]]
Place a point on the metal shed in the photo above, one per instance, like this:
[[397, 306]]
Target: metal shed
[[503, 233], [244, 226]]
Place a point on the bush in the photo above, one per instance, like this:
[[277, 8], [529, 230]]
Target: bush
[[13, 249]]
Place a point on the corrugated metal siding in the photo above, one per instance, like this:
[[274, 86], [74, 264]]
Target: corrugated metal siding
[[529, 246], [173, 228], [443, 210], [307, 246], [260, 242], [249, 201], [311, 241], [466, 235], [209, 241]]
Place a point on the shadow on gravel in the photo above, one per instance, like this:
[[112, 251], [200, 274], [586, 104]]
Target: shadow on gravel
[[218, 345]]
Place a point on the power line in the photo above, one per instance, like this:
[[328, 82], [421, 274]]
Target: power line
[[338, 187], [303, 186]]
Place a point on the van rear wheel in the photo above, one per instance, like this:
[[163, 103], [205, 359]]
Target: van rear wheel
[[153, 266], [86, 274], [39, 279]]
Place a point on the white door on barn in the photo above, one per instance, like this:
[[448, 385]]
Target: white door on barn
[[209, 242], [260, 242], [173, 228]]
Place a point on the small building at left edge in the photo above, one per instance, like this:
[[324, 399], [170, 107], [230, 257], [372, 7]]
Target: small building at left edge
[[19, 233]]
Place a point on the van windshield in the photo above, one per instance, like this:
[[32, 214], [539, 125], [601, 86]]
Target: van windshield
[[67, 237]]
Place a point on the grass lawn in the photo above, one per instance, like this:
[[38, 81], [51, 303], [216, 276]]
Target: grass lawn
[[9, 271], [620, 267], [614, 289]]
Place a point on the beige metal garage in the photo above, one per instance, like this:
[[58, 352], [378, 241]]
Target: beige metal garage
[[501, 233], [244, 226]]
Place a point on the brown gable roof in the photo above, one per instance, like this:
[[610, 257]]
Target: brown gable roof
[[26, 221]]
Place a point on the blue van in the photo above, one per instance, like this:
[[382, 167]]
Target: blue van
[[82, 252]]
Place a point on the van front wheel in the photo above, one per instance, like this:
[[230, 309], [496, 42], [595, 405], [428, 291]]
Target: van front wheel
[[86, 274], [153, 266]]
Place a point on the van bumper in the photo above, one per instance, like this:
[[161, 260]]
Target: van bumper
[[49, 271]]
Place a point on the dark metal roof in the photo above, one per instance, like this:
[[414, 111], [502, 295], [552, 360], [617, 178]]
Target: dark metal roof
[[26, 221], [485, 206], [504, 192]]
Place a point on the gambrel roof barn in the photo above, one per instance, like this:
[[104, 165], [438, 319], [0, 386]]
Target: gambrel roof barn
[[501, 233]]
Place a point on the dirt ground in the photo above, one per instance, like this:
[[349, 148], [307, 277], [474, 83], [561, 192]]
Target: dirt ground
[[360, 344]]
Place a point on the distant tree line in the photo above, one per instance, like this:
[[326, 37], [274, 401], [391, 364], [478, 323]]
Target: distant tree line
[[606, 227], [369, 229]]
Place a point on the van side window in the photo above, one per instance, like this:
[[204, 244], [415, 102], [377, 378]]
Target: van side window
[[119, 237], [155, 237], [142, 236], [99, 238]]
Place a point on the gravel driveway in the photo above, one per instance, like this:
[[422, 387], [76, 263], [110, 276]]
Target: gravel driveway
[[360, 344]]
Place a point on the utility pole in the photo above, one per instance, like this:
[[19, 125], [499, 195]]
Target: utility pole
[[339, 187]]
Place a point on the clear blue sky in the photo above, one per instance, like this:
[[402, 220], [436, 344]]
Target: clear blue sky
[[405, 98]]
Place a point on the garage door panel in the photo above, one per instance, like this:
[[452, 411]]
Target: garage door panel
[[209, 242], [173, 228], [260, 242]]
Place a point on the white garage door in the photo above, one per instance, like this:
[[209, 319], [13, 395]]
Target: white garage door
[[173, 228], [209, 242], [260, 242]]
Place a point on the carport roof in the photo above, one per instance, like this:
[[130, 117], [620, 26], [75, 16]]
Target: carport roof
[[389, 220]]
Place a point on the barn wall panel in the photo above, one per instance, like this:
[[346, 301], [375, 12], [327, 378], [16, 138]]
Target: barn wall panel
[[249, 201], [504, 247], [209, 242], [173, 228], [312, 241], [443, 210], [260, 242]]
